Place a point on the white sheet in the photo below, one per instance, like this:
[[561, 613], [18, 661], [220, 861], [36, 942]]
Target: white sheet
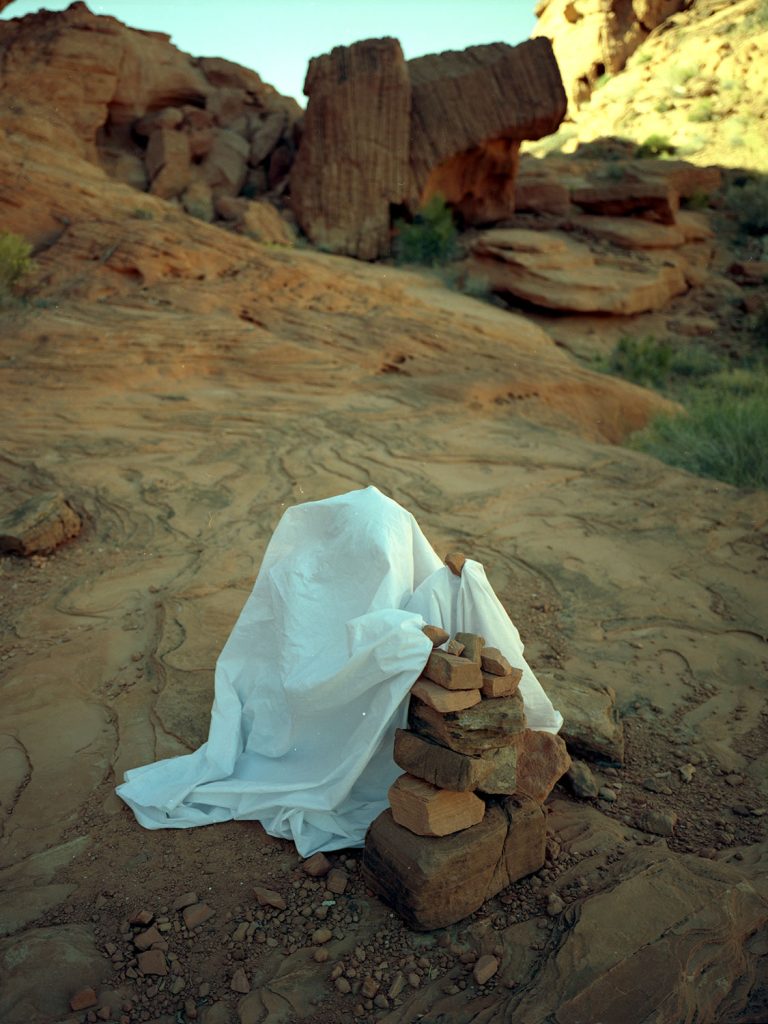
[[314, 678]]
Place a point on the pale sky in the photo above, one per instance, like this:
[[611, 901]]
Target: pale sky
[[276, 38]]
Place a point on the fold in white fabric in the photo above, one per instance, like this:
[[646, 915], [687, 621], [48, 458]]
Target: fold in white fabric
[[314, 679]]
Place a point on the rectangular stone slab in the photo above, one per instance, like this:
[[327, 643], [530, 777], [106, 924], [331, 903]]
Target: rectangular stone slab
[[443, 700], [493, 661], [451, 672], [502, 764], [429, 811], [473, 645], [435, 882], [501, 686], [437, 764], [487, 725]]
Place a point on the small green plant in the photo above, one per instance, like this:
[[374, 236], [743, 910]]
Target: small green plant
[[749, 202], [758, 18], [723, 433], [697, 200], [15, 253], [654, 147], [663, 106], [702, 111], [643, 58], [430, 239], [601, 80], [141, 213], [678, 75], [642, 360]]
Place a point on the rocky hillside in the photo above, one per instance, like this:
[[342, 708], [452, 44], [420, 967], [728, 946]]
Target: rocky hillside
[[697, 81], [171, 386]]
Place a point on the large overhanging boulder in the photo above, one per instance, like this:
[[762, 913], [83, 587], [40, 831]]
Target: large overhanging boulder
[[382, 133]]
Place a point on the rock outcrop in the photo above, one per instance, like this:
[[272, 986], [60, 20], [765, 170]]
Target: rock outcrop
[[127, 100], [380, 133], [592, 38]]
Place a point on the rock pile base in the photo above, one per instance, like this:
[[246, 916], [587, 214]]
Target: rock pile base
[[466, 818]]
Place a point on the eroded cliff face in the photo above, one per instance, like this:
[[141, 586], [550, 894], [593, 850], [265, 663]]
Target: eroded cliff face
[[592, 38]]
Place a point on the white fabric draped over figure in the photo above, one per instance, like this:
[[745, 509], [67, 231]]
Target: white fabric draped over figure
[[315, 677]]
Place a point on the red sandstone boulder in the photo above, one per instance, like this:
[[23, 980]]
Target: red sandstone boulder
[[380, 133]]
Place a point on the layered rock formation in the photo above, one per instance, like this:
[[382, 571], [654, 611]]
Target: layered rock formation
[[615, 244], [190, 130], [592, 38], [382, 133]]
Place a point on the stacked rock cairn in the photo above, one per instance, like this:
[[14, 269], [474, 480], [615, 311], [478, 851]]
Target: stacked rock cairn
[[466, 819]]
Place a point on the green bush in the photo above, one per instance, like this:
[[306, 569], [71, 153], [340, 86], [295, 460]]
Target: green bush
[[697, 200], [14, 261], [750, 204], [702, 111], [655, 146], [723, 432], [430, 239], [642, 360]]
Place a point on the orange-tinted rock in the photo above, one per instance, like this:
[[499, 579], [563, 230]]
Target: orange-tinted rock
[[439, 765], [592, 726], [437, 635], [197, 914], [493, 661], [433, 882], [473, 645], [630, 232], [352, 162], [470, 111], [542, 759], [269, 897], [225, 166], [39, 525], [452, 672], [455, 562], [378, 133], [501, 686], [168, 162], [429, 811], [83, 1000], [591, 39], [621, 198], [316, 866], [443, 700], [552, 270], [487, 725], [147, 938]]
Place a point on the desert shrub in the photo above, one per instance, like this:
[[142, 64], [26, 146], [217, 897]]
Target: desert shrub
[[141, 213], [697, 200], [663, 106], [655, 146], [723, 432], [430, 239], [601, 80], [642, 360], [758, 18], [15, 260], [643, 58], [679, 74], [702, 111], [749, 202]]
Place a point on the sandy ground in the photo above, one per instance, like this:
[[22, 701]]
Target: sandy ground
[[183, 387]]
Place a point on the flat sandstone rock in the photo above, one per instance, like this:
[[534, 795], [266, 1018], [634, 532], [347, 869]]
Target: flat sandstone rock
[[501, 686], [38, 526], [443, 700], [487, 725], [436, 764], [428, 811], [451, 672], [434, 882]]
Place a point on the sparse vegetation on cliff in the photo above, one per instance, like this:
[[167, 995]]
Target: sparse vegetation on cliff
[[15, 261]]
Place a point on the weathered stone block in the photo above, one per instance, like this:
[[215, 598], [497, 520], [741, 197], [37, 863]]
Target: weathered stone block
[[487, 725], [434, 882], [453, 673], [429, 811], [542, 759], [502, 770], [473, 645], [436, 764], [443, 700], [436, 634], [501, 686], [494, 662]]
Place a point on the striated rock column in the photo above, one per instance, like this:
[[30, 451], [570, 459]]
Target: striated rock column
[[353, 160]]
